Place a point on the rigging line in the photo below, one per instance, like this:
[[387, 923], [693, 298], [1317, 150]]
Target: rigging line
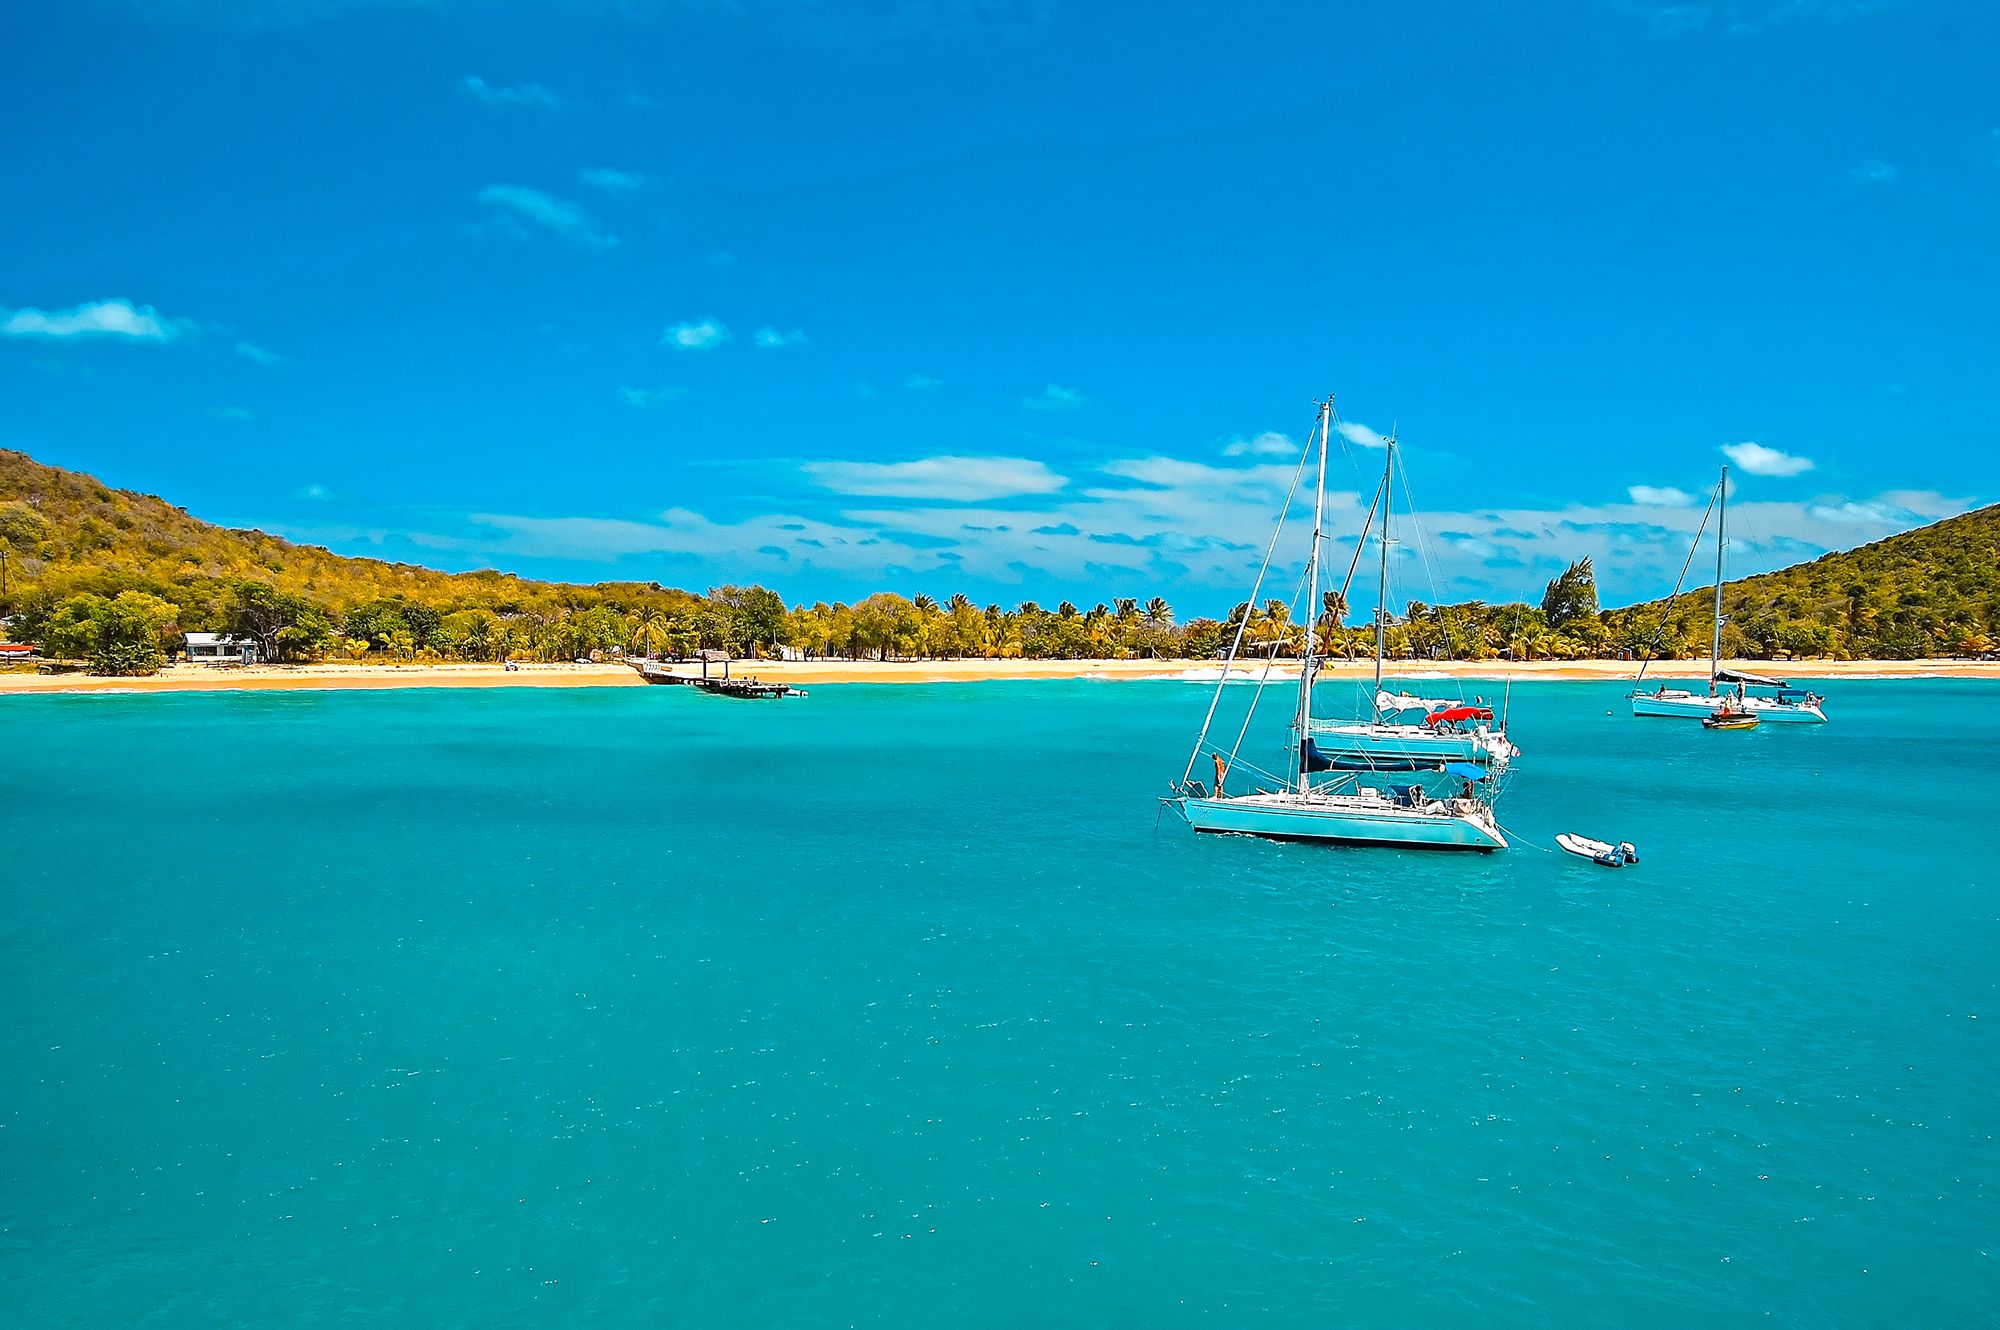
[[1424, 555], [1360, 544], [1256, 586], [1262, 679], [1659, 633]]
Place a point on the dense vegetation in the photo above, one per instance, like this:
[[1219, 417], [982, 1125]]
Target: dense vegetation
[[113, 578]]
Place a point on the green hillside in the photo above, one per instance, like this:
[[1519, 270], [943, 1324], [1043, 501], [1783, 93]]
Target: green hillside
[[1934, 591]]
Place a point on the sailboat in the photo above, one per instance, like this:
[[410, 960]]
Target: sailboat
[[1728, 689], [1340, 807], [1447, 731]]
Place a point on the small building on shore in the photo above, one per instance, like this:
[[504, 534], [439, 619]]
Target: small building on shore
[[220, 649], [13, 651]]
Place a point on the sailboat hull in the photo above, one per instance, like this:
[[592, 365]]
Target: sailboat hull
[[1345, 820], [1388, 746], [1674, 703]]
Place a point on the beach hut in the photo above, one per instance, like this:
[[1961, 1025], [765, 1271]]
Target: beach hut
[[220, 649]]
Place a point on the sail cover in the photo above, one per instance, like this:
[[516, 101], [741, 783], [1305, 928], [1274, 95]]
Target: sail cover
[[1399, 702], [1465, 771], [1753, 680]]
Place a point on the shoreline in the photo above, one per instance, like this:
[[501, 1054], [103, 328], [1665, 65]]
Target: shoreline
[[248, 678]]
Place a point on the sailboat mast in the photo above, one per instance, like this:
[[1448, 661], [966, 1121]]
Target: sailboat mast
[[1312, 605], [1721, 525], [1382, 589]]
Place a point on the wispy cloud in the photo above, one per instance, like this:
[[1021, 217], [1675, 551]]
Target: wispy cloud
[[1055, 397], [1268, 444], [1359, 434], [572, 221], [1872, 172], [922, 383], [240, 413], [651, 396], [953, 479], [118, 320], [1743, 18], [1761, 461], [258, 355], [698, 335], [1157, 519], [770, 339], [1659, 496], [532, 95], [610, 180]]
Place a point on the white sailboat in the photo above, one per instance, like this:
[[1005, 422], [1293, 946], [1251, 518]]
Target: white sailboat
[[1781, 704], [1340, 807], [1446, 731]]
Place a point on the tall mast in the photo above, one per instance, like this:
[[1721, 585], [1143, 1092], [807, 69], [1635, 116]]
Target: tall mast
[[1382, 590], [1312, 605], [1721, 522]]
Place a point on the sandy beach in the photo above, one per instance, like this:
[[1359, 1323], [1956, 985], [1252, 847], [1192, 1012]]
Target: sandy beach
[[209, 678]]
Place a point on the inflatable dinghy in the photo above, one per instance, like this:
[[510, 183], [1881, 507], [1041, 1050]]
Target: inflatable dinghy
[[1597, 851]]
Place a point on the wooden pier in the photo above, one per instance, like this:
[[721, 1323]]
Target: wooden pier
[[719, 685]]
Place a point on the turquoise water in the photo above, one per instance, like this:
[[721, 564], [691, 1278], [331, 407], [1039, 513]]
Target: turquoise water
[[892, 1007]]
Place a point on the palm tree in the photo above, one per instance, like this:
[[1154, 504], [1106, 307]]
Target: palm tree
[[652, 627], [1158, 613], [1067, 610], [923, 602]]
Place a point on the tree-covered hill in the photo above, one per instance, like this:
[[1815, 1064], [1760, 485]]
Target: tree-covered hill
[[1934, 591]]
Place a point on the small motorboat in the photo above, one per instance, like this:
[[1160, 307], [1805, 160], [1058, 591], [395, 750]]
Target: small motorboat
[[1598, 851], [1730, 718]]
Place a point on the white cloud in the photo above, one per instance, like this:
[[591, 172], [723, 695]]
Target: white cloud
[[1268, 444], [1872, 173], [1659, 496], [923, 383], [505, 94], [651, 396], [954, 479], [1183, 523], [1358, 434], [316, 492], [1054, 398], [258, 355], [699, 335], [572, 221], [610, 180], [1761, 461], [770, 339], [103, 318]]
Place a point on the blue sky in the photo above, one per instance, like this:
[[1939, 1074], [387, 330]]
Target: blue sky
[[1015, 299]]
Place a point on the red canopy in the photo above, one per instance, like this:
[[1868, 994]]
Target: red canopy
[[1451, 715]]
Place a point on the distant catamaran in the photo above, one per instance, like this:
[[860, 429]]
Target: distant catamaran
[[1339, 808], [1783, 704]]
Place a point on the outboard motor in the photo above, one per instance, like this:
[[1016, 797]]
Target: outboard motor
[[1625, 847]]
